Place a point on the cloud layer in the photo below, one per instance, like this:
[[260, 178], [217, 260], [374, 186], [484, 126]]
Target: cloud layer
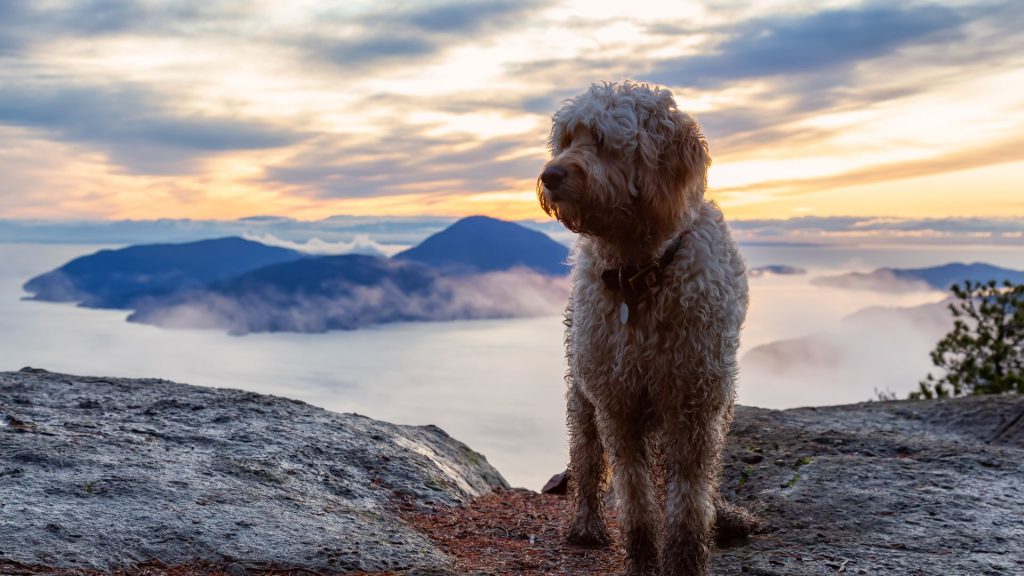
[[111, 108], [830, 40], [389, 235]]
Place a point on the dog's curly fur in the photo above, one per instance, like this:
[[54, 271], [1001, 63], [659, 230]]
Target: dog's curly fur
[[656, 394]]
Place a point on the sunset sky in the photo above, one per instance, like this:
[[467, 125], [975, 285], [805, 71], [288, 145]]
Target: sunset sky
[[115, 109]]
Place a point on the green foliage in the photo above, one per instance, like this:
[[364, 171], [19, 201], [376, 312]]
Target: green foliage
[[744, 476], [984, 353], [884, 395]]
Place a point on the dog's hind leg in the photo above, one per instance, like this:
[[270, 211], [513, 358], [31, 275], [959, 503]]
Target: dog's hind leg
[[587, 473], [733, 523]]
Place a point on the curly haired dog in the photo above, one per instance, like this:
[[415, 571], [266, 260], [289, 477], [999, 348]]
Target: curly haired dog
[[659, 294]]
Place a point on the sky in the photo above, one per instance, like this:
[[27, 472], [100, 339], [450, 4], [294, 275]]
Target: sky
[[221, 109]]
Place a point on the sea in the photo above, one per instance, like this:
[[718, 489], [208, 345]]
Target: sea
[[497, 385]]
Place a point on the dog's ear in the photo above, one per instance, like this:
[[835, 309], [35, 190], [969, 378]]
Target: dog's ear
[[689, 158], [556, 137]]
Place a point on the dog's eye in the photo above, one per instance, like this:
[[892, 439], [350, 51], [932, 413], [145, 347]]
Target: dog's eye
[[588, 142]]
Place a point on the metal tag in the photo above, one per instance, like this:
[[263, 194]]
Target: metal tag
[[623, 313]]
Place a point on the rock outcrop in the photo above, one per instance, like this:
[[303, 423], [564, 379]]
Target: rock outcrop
[[885, 489], [104, 473], [108, 473], [908, 487]]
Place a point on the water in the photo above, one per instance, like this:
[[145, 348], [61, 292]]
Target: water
[[496, 385]]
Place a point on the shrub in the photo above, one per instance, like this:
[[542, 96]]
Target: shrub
[[984, 353]]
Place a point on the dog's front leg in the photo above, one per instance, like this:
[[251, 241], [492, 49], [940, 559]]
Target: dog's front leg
[[587, 473], [634, 487], [692, 446]]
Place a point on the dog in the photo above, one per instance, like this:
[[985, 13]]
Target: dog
[[659, 295]]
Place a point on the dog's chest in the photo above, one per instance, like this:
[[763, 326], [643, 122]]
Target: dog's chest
[[684, 329], [650, 343]]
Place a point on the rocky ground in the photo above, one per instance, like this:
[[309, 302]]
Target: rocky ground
[[891, 488], [108, 473]]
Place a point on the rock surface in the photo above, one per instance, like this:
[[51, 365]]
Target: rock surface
[[901, 488], [894, 488], [104, 473]]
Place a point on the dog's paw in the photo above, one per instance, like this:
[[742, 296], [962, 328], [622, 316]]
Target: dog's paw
[[642, 566], [733, 524], [592, 534]]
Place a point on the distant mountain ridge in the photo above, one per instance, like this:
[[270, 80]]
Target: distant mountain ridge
[[907, 279], [477, 268], [118, 278], [329, 275], [483, 244], [775, 270]]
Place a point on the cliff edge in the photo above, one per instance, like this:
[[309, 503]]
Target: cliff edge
[[109, 473]]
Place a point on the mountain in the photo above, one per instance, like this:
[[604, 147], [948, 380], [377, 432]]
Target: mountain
[[909, 279], [775, 270], [330, 276], [477, 268], [119, 278], [482, 244]]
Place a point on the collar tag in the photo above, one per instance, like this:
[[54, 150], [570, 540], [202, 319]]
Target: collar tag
[[623, 313]]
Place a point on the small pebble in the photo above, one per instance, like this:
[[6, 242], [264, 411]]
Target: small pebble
[[751, 458]]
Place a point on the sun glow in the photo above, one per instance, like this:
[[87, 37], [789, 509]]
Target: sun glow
[[308, 110]]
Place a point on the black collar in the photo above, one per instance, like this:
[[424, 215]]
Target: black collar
[[633, 280]]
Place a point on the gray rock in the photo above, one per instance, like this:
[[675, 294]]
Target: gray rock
[[103, 473], [557, 484], [928, 487], [106, 473]]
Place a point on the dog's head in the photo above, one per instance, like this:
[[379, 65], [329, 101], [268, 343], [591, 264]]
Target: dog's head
[[625, 164]]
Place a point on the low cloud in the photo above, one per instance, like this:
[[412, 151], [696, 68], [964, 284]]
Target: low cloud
[[510, 294], [360, 244], [880, 348], [386, 233], [849, 230], [882, 280]]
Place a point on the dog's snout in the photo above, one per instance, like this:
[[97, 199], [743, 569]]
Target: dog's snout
[[553, 176]]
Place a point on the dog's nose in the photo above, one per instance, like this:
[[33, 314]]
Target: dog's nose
[[552, 177]]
